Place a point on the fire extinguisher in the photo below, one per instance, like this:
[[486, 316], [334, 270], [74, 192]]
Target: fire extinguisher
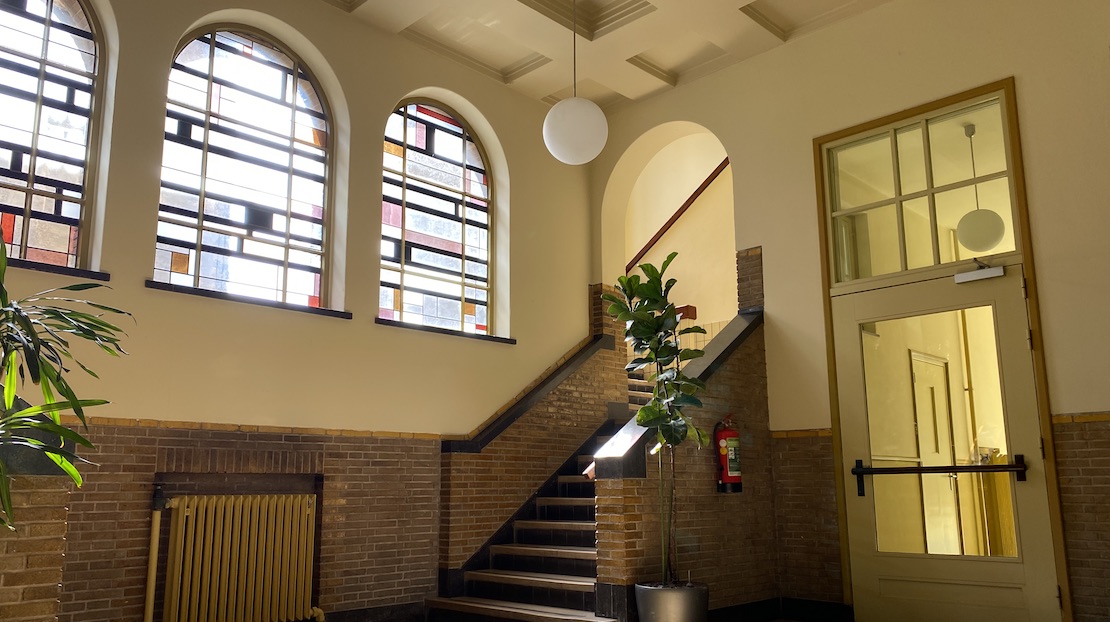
[[727, 440]]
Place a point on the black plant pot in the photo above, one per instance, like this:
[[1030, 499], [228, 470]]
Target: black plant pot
[[683, 603]]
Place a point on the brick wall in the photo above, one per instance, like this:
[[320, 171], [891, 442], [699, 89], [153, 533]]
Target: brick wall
[[726, 540], [380, 509], [481, 491], [1083, 466], [31, 558], [807, 529], [749, 277]]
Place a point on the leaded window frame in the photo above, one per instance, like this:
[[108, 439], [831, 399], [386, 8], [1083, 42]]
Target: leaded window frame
[[397, 262], [55, 202], [299, 70]]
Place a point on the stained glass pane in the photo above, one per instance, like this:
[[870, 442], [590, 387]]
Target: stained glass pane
[[435, 222], [46, 46], [248, 113]]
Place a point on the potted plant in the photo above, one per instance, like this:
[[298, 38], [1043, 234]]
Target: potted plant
[[36, 333], [651, 328]]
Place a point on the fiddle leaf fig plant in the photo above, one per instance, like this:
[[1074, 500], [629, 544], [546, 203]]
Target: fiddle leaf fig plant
[[35, 335], [651, 329]]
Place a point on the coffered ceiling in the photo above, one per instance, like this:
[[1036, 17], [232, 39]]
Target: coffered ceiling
[[627, 49]]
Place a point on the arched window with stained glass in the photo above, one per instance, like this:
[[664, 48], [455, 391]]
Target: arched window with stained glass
[[436, 222], [245, 172], [48, 75]]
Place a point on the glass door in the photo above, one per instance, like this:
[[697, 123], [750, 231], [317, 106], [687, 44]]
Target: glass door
[[946, 501]]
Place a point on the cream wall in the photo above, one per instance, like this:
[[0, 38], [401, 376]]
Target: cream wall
[[905, 53], [199, 359], [706, 263]]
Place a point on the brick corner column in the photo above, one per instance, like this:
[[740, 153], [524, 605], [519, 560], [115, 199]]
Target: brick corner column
[[31, 563], [749, 278]]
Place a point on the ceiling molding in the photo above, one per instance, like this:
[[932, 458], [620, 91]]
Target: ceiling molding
[[347, 5], [520, 69], [620, 14], [447, 52], [592, 23], [653, 70], [764, 22]]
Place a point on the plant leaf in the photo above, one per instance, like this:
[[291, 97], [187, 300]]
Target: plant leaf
[[692, 329]]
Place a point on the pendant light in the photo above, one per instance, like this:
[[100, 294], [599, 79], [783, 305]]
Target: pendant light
[[575, 129], [979, 230]]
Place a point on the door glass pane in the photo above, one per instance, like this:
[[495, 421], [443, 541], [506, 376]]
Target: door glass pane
[[953, 205], [934, 399], [867, 243], [918, 230], [951, 148], [911, 160], [864, 173]]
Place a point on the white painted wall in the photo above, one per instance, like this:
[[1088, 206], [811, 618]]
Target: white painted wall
[[706, 265], [767, 111], [198, 359]]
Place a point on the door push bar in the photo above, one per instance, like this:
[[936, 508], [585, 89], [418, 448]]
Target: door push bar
[[1018, 468]]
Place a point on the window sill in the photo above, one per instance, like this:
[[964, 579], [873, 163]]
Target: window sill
[[444, 331], [181, 289], [54, 269]]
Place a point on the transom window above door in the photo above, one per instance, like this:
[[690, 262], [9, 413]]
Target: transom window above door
[[924, 191]]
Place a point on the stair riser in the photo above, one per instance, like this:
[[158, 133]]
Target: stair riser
[[443, 615], [576, 489], [548, 565], [567, 512], [550, 597], [556, 537]]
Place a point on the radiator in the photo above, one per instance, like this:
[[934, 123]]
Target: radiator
[[241, 558]]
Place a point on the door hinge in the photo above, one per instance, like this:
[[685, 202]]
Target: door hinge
[[1030, 339], [1043, 456], [1060, 596], [1024, 289]]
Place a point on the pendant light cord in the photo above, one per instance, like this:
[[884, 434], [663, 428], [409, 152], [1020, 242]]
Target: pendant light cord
[[969, 131], [574, 48]]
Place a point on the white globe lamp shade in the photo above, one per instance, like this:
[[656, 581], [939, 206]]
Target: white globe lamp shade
[[575, 130], [980, 230]]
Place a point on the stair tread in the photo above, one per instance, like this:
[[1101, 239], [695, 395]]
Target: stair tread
[[566, 501], [570, 525], [513, 611], [547, 550], [535, 579], [570, 479]]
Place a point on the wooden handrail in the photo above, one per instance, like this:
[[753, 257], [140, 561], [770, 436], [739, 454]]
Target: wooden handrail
[[678, 214]]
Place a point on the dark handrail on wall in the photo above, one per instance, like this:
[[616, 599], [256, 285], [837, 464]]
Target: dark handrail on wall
[[678, 214], [529, 399]]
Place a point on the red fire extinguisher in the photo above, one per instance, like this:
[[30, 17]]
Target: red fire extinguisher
[[727, 440]]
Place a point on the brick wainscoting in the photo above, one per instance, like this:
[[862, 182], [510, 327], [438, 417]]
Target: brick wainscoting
[[1083, 466], [807, 528], [31, 559], [483, 490], [379, 532], [726, 540]]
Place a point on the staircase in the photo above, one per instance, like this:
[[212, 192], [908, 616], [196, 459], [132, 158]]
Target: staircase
[[549, 570]]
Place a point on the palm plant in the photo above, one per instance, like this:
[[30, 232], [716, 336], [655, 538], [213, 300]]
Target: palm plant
[[35, 334], [651, 329]]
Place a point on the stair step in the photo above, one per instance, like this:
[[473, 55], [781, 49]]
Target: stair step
[[565, 525], [564, 501], [530, 550], [574, 479], [502, 610], [534, 579]]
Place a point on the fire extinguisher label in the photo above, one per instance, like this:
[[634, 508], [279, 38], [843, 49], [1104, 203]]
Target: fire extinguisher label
[[732, 446]]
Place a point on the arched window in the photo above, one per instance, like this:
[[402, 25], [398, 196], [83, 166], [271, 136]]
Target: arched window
[[244, 172], [436, 208], [48, 72]]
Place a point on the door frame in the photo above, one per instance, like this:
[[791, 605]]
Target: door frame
[[1023, 257]]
